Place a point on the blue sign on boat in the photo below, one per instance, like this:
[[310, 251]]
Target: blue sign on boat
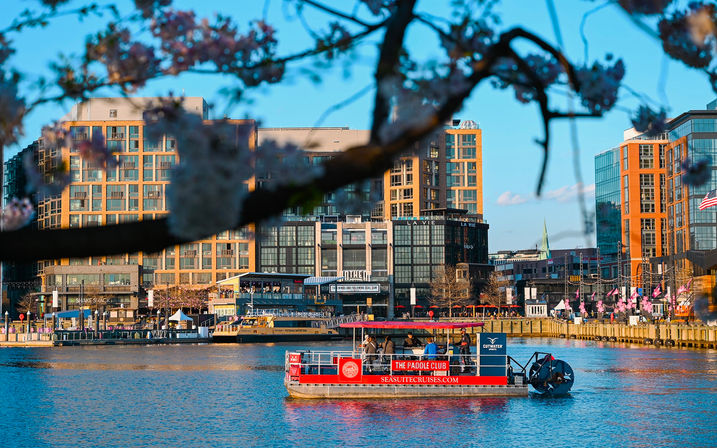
[[492, 354]]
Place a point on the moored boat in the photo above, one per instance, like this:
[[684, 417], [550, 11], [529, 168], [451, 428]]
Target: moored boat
[[409, 372], [277, 326]]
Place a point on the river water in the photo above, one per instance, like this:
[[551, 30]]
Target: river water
[[232, 395]]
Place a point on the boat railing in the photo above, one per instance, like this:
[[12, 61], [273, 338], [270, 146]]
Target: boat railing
[[327, 363], [284, 313]]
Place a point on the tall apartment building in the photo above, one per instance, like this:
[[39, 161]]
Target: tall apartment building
[[608, 208], [644, 210], [444, 172], [693, 136], [136, 190]]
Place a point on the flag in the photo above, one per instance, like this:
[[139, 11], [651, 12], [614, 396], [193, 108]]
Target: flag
[[577, 293], [592, 297], [710, 200], [656, 291]]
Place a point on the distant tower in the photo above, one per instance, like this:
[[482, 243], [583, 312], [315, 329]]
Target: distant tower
[[545, 247]]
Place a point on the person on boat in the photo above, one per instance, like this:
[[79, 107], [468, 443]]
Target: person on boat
[[465, 349], [370, 351], [431, 349], [388, 350], [411, 342]]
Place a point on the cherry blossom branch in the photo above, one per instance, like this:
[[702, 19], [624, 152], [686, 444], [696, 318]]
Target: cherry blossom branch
[[351, 166]]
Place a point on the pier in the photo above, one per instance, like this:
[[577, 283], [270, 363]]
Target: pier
[[61, 338], [667, 334]]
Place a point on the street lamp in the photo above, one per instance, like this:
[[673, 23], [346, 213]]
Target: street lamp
[[158, 313], [97, 321], [7, 314], [104, 318]]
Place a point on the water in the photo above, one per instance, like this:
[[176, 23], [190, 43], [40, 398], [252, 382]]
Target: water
[[233, 395]]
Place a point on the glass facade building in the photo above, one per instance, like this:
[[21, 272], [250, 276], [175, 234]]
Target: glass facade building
[[693, 137], [607, 201]]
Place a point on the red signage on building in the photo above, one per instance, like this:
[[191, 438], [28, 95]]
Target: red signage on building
[[405, 364], [350, 370]]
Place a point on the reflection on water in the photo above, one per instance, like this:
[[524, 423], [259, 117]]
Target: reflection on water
[[232, 395]]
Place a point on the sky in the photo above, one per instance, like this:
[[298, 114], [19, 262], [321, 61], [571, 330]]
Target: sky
[[511, 158]]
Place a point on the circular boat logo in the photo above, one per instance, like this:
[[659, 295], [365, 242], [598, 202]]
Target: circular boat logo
[[350, 369]]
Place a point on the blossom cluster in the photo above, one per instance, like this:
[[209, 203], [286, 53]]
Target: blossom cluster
[[205, 195], [645, 7], [468, 39], [696, 173], [17, 214], [188, 42], [689, 36], [650, 122], [545, 69], [598, 85], [127, 62]]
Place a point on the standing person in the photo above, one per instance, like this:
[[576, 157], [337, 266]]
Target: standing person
[[370, 352], [465, 349], [388, 350], [431, 349]]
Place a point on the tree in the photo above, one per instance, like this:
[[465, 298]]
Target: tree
[[494, 291], [449, 289], [27, 304], [155, 40]]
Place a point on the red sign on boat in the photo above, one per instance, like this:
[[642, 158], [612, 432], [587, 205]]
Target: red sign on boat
[[350, 370], [419, 365]]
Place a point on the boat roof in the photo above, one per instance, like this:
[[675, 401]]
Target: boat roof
[[411, 325]]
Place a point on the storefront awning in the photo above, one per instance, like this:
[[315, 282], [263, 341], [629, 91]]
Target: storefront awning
[[316, 281]]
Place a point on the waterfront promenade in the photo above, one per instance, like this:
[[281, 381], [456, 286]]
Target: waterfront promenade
[[658, 334], [668, 334]]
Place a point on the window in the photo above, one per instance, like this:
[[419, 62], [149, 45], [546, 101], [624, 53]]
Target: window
[[113, 113], [624, 157], [305, 235], [115, 198], [351, 236], [354, 259], [647, 193], [626, 192], [379, 237], [152, 197], [647, 157], [662, 155]]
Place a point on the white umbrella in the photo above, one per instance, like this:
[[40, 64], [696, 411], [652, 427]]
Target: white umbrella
[[179, 316]]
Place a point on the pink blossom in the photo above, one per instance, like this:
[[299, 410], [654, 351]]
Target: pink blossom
[[17, 214], [650, 122], [598, 85], [96, 152]]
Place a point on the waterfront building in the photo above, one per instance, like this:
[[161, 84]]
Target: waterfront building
[[608, 216], [135, 190], [644, 207], [376, 263], [535, 280], [115, 289], [692, 233], [18, 278]]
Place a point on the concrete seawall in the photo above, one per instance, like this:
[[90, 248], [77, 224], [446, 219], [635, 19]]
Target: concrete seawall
[[669, 334]]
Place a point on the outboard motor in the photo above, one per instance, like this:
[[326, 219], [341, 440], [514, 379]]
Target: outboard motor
[[551, 376]]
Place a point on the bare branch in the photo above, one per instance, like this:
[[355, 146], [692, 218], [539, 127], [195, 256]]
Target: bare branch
[[388, 61]]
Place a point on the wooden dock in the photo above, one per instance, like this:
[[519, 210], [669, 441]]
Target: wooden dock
[[667, 334]]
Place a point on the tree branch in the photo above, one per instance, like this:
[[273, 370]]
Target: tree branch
[[353, 165], [388, 61]]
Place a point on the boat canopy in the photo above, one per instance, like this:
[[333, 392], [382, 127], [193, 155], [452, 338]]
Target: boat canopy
[[411, 325]]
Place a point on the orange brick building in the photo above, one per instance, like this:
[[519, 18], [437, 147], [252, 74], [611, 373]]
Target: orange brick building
[[644, 210]]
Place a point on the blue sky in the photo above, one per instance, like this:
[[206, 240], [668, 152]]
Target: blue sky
[[510, 156]]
